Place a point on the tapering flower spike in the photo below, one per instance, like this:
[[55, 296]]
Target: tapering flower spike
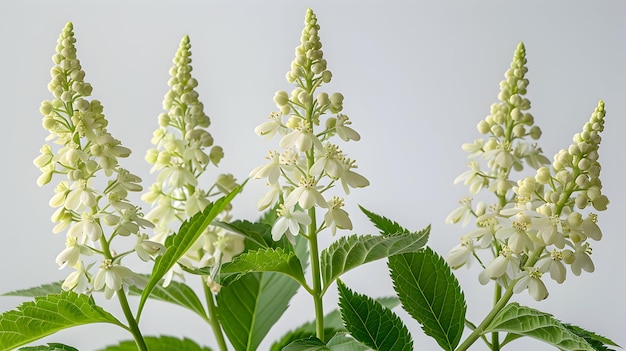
[[83, 150], [310, 164], [535, 225], [183, 151]]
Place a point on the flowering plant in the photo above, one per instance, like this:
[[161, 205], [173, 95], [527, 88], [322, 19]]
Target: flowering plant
[[538, 225]]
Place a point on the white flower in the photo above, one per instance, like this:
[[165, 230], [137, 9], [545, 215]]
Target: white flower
[[306, 195], [462, 213], [80, 196], [346, 133], [351, 179], [288, 223], [473, 178], [531, 279], [88, 226], [71, 254], [330, 162], [461, 255], [336, 217], [269, 128], [506, 263], [581, 257], [78, 281], [146, 249], [517, 234], [269, 198], [112, 277], [301, 137], [553, 264]]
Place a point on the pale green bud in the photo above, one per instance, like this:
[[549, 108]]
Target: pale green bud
[[326, 76], [564, 176], [568, 256], [483, 127], [593, 193], [216, 154], [519, 131], [535, 132], [528, 119], [497, 130], [601, 203], [543, 175], [322, 99], [281, 98], [226, 183], [164, 120], [581, 200], [584, 164], [516, 114], [575, 219], [293, 122], [45, 108], [582, 181]]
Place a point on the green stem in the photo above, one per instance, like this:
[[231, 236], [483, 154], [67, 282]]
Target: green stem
[[508, 293], [495, 337], [316, 277], [132, 323], [214, 318]]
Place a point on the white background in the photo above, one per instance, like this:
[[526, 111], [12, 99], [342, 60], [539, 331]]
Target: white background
[[417, 77]]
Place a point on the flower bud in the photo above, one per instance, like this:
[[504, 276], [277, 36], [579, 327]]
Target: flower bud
[[281, 98], [483, 127]]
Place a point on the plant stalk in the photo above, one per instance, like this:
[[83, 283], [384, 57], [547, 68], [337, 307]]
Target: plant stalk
[[476, 333], [133, 327], [214, 318], [316, 277]]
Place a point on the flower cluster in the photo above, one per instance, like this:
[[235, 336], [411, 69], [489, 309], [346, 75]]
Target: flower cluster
[[539, 224], [82, 150], [181, 155], [309, 164]]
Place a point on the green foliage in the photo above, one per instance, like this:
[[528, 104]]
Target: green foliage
[[309, 344], [250, 306], [598, 342], [264, 260], [355, 250], [41, 290], [527, 321], [159, 343], [177, 293], [385, 225], [258, 235], [47, 315], [176, 245], [333, 325], [344, 342], [49, 347], [371, 323], [430, 293]]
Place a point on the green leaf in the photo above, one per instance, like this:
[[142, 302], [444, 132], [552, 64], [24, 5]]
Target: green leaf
[[41, 290], [263, 260], [385, 225], [159, 343], [332, 325], [176, 245], [46, 315], [308, 344], [542, 326], [371, 323], [344, 342], [250, 306], [177, 293], [430, 293], [258, 235], [598, 342], [50, 347], [352, 251]]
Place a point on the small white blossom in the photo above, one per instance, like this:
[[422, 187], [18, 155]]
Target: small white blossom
[[288, 223]]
